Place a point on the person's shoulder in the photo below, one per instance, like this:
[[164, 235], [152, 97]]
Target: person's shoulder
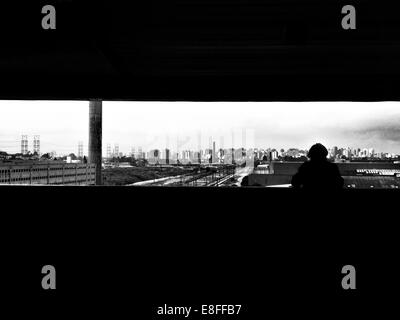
[[305, 165], [332, 166]]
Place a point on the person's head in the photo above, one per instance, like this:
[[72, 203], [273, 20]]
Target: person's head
[[317, 152]]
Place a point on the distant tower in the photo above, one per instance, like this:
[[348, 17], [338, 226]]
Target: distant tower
[[140, 153], [233, 147], [36, 145], [167, 155], [199, 147], [214, 155], [221, 148], [80, 149], [24, 144], [116, 150], [108, 151]]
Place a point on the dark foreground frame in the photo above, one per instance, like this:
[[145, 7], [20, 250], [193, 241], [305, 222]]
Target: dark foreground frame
[[134, 248], [255, 50], [122, 250]]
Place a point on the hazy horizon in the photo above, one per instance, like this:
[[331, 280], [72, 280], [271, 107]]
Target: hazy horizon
[[150, 125]]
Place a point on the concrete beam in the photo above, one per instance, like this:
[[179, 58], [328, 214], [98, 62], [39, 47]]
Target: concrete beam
[[95, 137]]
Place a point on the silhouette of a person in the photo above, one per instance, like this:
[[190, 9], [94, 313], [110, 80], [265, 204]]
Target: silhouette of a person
[[318, 172]]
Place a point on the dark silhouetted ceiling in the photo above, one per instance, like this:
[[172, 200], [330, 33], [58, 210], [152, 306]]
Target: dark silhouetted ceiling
[[200, 50]]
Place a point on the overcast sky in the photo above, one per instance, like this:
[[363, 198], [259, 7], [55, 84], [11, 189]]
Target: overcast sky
[[62, 125]]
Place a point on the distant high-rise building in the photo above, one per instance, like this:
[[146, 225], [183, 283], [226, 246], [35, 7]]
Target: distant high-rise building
[[140, 153], [116, 150], [221, 155], [371, 152], [80, 149], [137, 153], [154, 156], [214, 155], [274, 155], [36, 145], [335, 152], [232, 155], [347, 153], [24, 144], [210, 144], [167, 156], [198, 147]]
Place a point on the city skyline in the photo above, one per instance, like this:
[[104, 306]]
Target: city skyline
[[155, 125], [140, 152]]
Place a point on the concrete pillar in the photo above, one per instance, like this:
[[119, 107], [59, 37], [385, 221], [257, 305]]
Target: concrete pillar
[[95, 136]]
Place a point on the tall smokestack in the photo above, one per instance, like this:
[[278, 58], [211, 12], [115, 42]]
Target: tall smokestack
[[95, 137]]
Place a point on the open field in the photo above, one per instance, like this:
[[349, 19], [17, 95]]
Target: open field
[[125, 176]]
